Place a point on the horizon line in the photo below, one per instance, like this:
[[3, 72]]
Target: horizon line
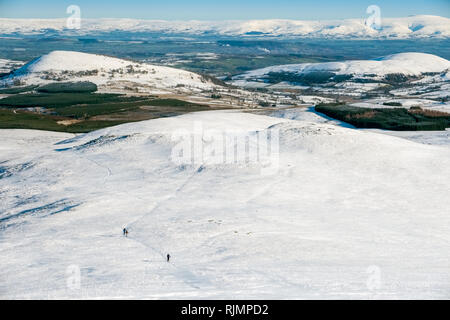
[[218, 20]]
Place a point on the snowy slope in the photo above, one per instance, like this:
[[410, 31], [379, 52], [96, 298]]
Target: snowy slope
[[408, 63], [78, 66], [421, 26], [349, 214]]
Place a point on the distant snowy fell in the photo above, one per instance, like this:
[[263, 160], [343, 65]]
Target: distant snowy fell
[[407, 63], [421, 26]]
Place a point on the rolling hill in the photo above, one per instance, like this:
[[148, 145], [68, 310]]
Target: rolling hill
[[408, 64], [347, 214], [408, 74], [106, 71]]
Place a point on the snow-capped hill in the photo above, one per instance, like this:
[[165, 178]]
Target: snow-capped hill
[[408, 64], [357, 77], [423, 60], [421, 26], [74, 61], [106, 71]]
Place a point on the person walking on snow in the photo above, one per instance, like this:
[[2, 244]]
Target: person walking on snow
[[168, 257], [125, 232]]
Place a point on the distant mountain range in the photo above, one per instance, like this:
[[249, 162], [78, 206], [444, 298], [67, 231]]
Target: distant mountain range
[[421, 26]]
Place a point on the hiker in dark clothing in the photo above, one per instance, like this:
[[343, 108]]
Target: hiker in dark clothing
[[168, 257], [125, 232]]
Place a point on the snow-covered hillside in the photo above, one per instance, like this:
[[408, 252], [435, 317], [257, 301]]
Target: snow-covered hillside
[[408, 63], [421, 26], [104, 70], [424, 75], [349, 214]]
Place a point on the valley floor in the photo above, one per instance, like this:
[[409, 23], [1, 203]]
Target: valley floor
[[348, 214]]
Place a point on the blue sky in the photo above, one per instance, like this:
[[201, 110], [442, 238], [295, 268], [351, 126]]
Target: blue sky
[[221, 10]]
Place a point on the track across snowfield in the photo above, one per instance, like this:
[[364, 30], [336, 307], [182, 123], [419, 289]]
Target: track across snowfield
[[349, 214]]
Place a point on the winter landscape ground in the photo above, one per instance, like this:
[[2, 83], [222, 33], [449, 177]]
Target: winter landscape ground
[[273, 159]]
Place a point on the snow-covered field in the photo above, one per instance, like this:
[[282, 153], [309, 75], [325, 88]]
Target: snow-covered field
[[404, 103], [8, 65], [420, 26], [438, 138], [349, 214]]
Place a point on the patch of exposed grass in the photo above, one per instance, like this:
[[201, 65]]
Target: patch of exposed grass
[[173, 103], [87, 111], [95, 111], [27, 120]]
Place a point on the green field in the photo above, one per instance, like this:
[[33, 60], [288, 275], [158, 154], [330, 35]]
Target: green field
[[27, 120], [87, 111]]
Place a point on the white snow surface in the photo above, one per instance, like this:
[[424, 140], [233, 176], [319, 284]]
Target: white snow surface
[[405, 103], [8, 65], [3, 65], [441, 138], [59, 62], [420, 26], [349, 214], [407, 63]]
